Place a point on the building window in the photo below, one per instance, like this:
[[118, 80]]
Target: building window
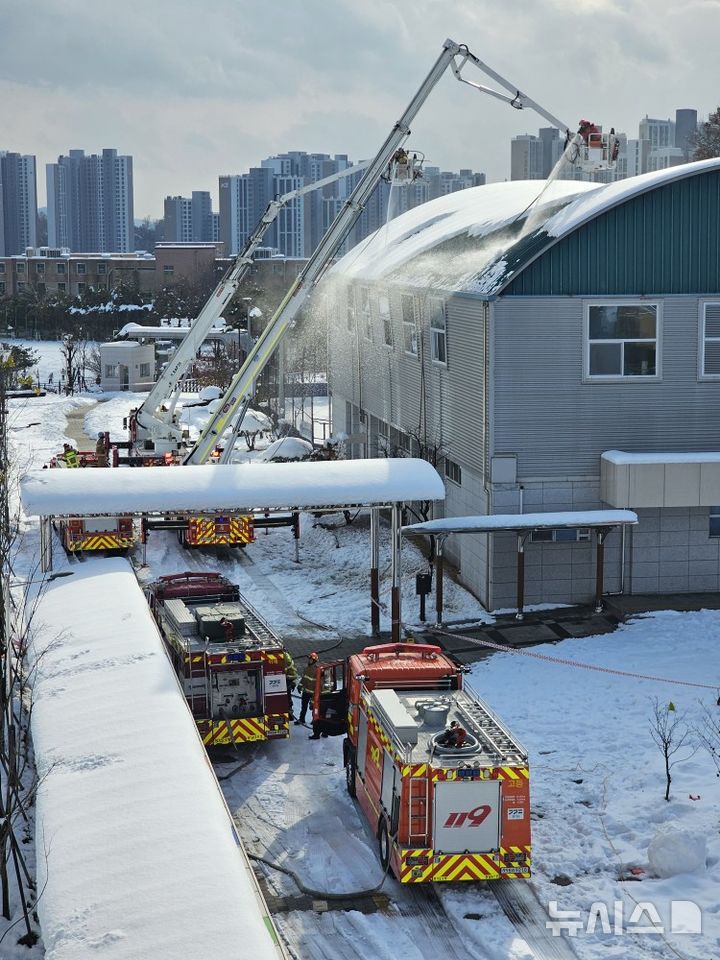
[[61, 287], [622, 340], [385, 318], [710, 340], [365, 311], [453, 472], [102, 268], [2, 286], [2, 268], [168, 269], [81, 288], [80, 269], [21, 285], [112, 370], [20, 269], [144, 369], [714, 530], [560, 535], [60, 267], [438, 331], [39, 268]]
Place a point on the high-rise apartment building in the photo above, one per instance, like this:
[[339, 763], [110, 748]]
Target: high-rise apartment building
[[90, 202], [527, 158], [18, 203], [190, 219], [686, 124]]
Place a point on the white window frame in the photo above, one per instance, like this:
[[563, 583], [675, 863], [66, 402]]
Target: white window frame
[[437, 311], [620, 377], [411, 334], [364, 309], [703, 339], [453, 472], [582, 535]]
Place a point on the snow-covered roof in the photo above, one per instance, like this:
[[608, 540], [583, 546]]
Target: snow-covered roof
[[478, 240], [620, 457], [524, 521], [165, 333], [137, 853], [481, 215], [225, 487]]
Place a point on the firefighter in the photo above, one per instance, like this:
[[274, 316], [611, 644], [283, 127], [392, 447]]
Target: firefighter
[[291, 676], [307, 686], [69, 455], [454, 736]]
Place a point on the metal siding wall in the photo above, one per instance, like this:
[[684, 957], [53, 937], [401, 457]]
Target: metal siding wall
[[664, 241], [558, 426]]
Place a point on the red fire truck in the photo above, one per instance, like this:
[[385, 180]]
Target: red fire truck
[[230, 663], [440, 812]]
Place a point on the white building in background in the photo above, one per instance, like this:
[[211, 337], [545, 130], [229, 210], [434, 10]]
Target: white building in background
[[127, 365], [527, 158]]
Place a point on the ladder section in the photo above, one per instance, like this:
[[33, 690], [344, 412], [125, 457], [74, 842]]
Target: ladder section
[[490, 731], [197, 681], [418, 811]]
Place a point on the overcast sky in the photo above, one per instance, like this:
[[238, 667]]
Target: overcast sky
[[193, 90]]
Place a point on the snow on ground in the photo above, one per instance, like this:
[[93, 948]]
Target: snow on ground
[[597, 780]]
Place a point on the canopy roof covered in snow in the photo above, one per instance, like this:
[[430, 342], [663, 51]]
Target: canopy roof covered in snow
[[229, 487], [478, 240], [131, 330], [138, 855], [524, 521]]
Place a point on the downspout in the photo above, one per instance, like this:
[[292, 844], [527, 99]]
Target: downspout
[[486, 439]]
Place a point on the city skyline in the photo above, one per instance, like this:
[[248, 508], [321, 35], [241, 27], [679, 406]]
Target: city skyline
[[191, 102]]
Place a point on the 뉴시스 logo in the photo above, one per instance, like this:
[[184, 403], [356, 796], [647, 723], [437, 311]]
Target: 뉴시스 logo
[[470, 818], [684, 916]]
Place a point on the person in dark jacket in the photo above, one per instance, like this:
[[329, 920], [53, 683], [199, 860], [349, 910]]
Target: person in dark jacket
[[307, 686], [291, 676]]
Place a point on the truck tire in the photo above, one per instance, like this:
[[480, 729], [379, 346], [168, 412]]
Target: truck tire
[[350, 773], [384, 844]]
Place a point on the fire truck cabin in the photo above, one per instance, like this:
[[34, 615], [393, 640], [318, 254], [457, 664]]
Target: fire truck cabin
[[229, 662], [441, 813]]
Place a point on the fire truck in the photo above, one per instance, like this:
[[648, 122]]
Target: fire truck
[[229, 662], [79, 534], [440, 812]]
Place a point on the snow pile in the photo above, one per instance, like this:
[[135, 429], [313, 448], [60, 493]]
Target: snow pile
[[287, 448], [210, 393], [673, 851], [137, 853]]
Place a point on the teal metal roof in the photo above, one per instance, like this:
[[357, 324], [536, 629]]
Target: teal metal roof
[[654, 234]]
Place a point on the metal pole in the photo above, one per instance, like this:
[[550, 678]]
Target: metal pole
[[375, 570], [520, 576], [439, 571], [599, 570], [296, 535], [396, 562], [45, 544]]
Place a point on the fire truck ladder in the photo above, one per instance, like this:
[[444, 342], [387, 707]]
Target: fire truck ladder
[[198, 663], [485, 723], [257, 626], [418, 810]]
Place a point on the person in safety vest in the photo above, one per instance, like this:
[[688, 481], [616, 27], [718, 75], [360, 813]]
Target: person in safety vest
[[69, 455], [307, 686], [291, 676]]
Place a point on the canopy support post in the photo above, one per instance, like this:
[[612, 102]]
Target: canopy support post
[[375, 571], [396, 605], [439, 572], [521, 538], [600, 569], [45, 544]]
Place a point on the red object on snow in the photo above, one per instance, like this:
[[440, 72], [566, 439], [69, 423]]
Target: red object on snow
[[693, 796], [637, 871]]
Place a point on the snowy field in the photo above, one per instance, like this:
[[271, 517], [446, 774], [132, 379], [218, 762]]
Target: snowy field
[[596, 776]]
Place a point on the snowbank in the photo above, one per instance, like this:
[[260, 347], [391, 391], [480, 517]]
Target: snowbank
[[137, 855], [673, 851]]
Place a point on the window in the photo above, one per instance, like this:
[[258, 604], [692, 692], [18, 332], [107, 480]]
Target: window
[[20, 269], [102, 268], [710, 340], [365, 311], [560, 535], [2, 268], [81, 288], [385, 318], [410, 331], [39, 268], [81, 269], [453, 472], [61, 267], [622, 340], [350, 316], [61, 287], [144, 369], [168, 269], [2, 286], [438, 331], [714, 530], [112, 370], [21, 285]]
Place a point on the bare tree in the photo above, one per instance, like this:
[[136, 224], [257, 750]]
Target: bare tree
[[708, 732], [672, 735]]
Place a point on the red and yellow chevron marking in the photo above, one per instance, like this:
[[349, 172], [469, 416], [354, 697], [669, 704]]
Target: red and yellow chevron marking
[[277, 725], [202, 530], [101, 541], [421, 866], [512, 773], [415, 770], [215, 732], [271, 657]]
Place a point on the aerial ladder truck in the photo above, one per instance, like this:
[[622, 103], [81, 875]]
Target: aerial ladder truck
[[154, 427], [588, 147]]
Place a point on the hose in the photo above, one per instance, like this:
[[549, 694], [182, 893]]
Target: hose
[[320, 894]]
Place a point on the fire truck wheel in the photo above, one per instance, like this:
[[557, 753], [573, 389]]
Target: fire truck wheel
[[384, 843], [350, 770]]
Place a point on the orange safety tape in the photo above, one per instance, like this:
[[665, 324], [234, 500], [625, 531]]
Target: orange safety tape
[[574, 663]]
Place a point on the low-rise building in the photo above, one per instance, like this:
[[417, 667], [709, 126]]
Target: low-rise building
[[127, 365]]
